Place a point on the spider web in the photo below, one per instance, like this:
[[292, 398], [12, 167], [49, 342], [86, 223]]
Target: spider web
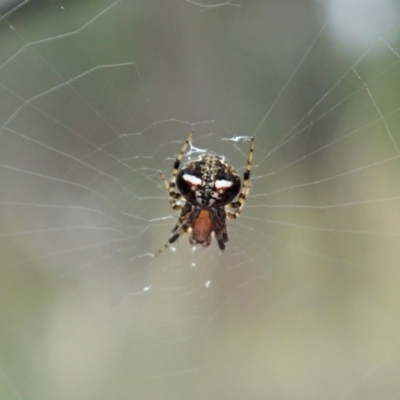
[[96, 97]]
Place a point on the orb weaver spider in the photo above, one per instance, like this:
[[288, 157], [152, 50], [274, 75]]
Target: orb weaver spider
[[207, 186]]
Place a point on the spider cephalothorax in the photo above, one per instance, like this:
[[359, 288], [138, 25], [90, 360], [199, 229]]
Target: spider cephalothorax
[[207, 187]]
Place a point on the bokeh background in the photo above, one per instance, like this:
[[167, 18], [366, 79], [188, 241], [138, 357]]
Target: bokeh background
[[96, 97]]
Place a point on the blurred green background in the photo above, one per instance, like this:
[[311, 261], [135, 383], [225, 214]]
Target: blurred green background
[[96, 97]]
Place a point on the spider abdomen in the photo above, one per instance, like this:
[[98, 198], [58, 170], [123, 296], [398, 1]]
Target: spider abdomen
[[208, 182]]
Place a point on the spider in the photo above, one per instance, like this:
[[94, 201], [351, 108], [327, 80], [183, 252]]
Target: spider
[[207, 188]]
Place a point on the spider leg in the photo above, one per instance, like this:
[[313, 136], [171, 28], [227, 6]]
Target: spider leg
[[187, 224], [173, 196], [171, 185], [238, 205], [185, 212], [183, 229], [179, 157], [178, 232], [218, 218], [225, 234]]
